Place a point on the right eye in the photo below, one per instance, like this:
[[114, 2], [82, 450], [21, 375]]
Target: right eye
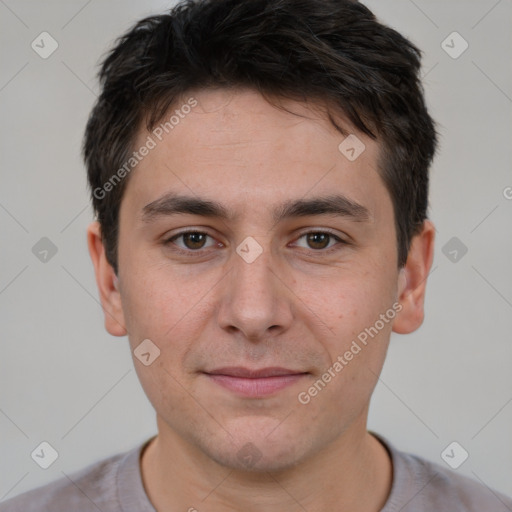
[[191, 241]]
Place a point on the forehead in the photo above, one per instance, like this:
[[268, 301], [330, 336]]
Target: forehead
[[237, 147]]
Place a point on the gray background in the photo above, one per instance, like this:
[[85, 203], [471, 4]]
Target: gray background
[[64, 380]]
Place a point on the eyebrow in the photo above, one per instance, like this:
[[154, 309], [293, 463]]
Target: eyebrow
[[175, 204]]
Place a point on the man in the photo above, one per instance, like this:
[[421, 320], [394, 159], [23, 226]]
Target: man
[[259, 171]]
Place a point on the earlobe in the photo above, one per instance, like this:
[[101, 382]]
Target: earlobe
[[107, 282], [412, 280]]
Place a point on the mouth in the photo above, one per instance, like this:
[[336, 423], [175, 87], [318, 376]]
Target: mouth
[[257, 383]]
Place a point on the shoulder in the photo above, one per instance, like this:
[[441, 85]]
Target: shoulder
[[93, 488], [420, 485]]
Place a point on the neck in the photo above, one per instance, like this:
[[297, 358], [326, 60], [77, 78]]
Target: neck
[[352, 473]]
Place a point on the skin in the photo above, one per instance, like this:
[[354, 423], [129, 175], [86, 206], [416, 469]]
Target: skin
[[295, 306]]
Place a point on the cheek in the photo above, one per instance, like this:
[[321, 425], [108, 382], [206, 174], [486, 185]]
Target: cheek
[[357, 339], [346, 303], [172, 312], [170, 394], [158, 300]]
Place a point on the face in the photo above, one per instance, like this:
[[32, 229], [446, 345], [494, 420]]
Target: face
[[257, 285]]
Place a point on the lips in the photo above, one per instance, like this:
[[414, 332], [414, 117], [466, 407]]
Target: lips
[[255, 383], [236, 371]]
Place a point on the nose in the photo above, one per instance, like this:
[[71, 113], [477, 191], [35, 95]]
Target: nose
[[255, 299]]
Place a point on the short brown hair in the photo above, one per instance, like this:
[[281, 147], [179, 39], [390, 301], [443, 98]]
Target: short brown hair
[[331, 51]]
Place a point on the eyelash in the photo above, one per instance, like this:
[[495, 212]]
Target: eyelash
[[191, 252]]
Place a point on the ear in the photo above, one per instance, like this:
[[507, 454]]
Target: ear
[[107, 282], [412, 280]]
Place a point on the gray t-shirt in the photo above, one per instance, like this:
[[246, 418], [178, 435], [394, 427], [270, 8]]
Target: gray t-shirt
[[115, 485]]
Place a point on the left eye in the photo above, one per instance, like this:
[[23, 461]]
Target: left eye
[[319, 240]]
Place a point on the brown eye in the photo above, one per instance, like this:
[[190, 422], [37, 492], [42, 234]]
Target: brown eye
[[318, 240], [194, 240], [190, 241]]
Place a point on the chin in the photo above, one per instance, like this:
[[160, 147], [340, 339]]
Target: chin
[[254, 450], [254, 458]]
